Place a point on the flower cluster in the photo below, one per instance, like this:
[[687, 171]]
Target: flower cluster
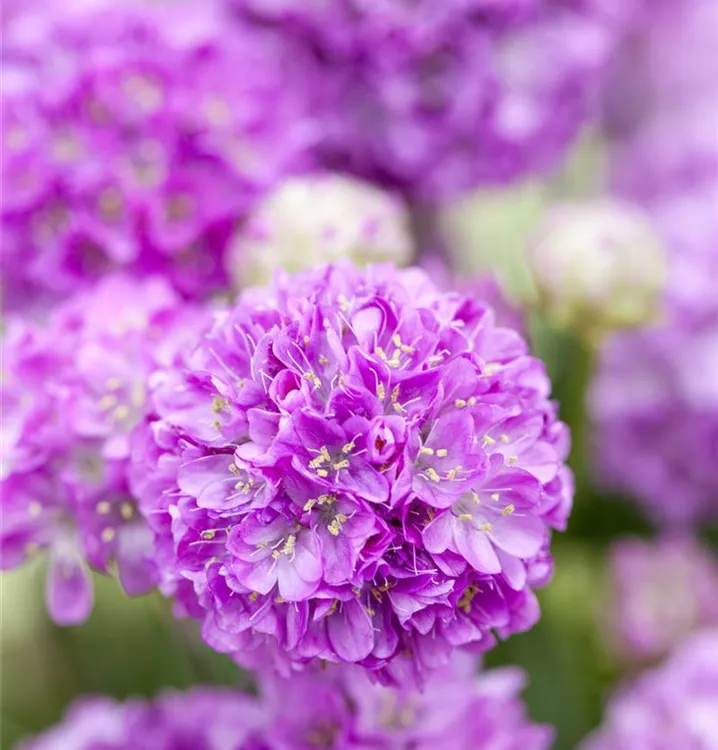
[[436, 98], [73, 390], [337, 708], [672, 707], [662, 592], [355, 467], [315, 219], [135, 137]]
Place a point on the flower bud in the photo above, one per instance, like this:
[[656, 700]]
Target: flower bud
[[315, 219], [597, 266]]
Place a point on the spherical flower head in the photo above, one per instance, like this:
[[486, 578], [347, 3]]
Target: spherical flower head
[[673, 706], [73, 390], [597, 266], [207, 718], [140, 146], [662, 591], [438, 98], [458, 709], [356, 467], [317, 219]]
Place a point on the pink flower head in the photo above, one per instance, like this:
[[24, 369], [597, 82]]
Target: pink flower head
[[358, 468]]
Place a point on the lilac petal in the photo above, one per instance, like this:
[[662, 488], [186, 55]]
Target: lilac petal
[[133, 553], [300, 572], [475, 547], [207, 479], [350, 632], [437, 533], [366, 482], [314, 432], [519, 535], [260, 576], [68, 587], [513, 569], [339, 558]]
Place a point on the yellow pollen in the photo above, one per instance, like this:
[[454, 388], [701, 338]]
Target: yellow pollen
[[475, 498], [513, 460], [107, 534], [395, 395], [487, 440], [34, 509], [495, 496], [381, 353], [309, 505], [459, 403], [279, 600], [276, 555], [344, 464], [465, 517], [471, 401], [107, 402], [426, 451], [322, 458], [336, 525], [508, 510], [453, 472], [234, 468], [208, 534], [442, 452], [323, 360], [486, 527], [398, 408], [288, 548], [306, 340], [492, 368], [253, 596], [380, 392], [217, 425], [431, 473], [322, 473], [218, 404], [343, 302], [127, 511], [103, 507], [396, 354], [466, 599], [333, 607], [393, 362], [113, 384], [396, 338], [349, 447], [121, 412], [376, 594], [504, 439]]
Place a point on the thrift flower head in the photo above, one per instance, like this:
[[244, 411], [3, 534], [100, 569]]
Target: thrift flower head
[[72, 392], [662, 592], [356, 467], [673, 706], [436, 98], [337, 708], [317, 219], [597, 266], [134, 136]]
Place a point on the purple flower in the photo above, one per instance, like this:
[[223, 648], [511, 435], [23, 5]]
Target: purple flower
[[661, 593], [673, 706], [74, 389], [437, 98], [141, 146], [334, 708], [354, 467]]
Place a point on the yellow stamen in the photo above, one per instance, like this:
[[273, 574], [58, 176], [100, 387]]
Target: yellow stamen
[[504, 438], [103, 507], [127, 511], [426, 451], [442, 452], [34, 509], [107, 534], [459, 403], [380, 391], [208, 534], [495, 496], [339, 465], [508, 510], [486, 527], [431, 473], [465, 517]]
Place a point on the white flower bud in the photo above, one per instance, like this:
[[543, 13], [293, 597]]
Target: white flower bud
[[597, 266], [315, 219]]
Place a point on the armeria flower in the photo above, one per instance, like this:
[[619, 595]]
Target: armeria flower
[[336, 708], [673, 706], [355, 467], [661, 592], [316, 219], [206, 718], [138, 147], [73, 390], [437, 98]]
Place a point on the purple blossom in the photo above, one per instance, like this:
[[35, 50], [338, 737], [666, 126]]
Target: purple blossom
[[73, 390], [139, 147], [661, 592], [437, 98], [354, 467], [335, 708], [673, 706]]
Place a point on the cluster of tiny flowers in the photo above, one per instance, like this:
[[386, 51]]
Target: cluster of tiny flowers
[[134, 137], [72, 391], [337, 708], [437, 97], [655, 401], [319, 218], [673, 706], [355, 467], [662, 591]]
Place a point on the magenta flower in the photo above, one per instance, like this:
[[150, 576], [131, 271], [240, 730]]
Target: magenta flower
[[354, 467], [73, 391], [335, 708], [673, 706], [139, 147], [661, 593], [437, 98]]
